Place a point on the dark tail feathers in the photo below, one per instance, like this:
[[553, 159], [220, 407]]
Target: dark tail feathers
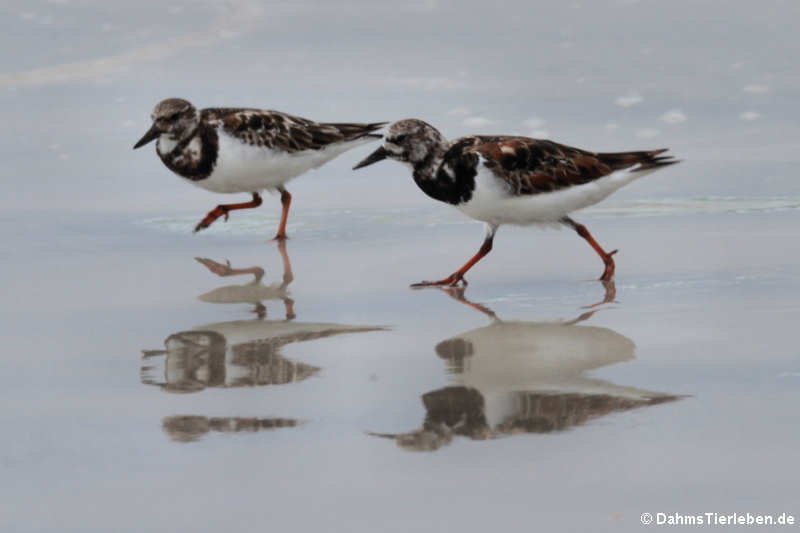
[[353, 130], [645, 159]]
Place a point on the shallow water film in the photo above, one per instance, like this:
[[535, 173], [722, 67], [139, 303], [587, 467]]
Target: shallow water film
[[153, 379]]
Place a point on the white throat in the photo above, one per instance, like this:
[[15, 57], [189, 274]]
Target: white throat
[[165, 144]]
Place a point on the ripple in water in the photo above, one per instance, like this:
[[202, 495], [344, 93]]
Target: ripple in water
[[358, 223]]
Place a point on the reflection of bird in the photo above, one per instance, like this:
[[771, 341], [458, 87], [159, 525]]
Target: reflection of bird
[[230, 150], [241, 352], [191, 428], [512, 180], [254, 292], [515, 376], [203, 357]]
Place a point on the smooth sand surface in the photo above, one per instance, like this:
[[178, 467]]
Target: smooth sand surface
[[139, 389], [143, 391]]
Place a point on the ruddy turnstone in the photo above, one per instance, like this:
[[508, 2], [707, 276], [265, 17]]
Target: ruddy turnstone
[[512, 180], [230, 150]]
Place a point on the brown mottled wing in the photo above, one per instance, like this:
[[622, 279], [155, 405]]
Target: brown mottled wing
[[533, 166], [281, 131]]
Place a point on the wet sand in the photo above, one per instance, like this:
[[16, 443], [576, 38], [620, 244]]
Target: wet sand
[[156, 380], [148, 384]]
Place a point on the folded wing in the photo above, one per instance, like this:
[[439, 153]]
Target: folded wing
[[533, 166], [281, 131]]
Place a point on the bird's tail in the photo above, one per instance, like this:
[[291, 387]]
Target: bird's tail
[[638, 161], [353, 130]]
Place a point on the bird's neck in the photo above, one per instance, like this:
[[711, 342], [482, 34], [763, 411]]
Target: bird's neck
[[446, 175], [426, 168], [192, 157]]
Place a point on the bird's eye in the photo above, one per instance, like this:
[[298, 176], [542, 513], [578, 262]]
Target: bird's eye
[[399, 139], [173, 117]]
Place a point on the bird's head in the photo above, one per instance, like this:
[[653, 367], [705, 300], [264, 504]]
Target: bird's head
[[409, 141], [174, 118]]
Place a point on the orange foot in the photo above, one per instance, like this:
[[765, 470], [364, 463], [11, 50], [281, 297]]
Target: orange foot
[[608, 273], [214, 214], [217, 268], [452, 280]]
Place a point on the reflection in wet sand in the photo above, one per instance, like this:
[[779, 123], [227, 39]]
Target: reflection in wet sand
[[524, 377], [239, 353], [202, 358], [254, 292], [191, 428]]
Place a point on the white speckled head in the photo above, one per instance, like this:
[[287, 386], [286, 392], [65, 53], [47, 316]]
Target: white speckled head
[[173, 118], [410, 141]]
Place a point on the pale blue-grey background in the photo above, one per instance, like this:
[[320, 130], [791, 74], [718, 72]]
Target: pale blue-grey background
[[97, 263], [716, 81]]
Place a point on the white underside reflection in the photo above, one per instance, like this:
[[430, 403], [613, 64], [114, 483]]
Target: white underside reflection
[[514, 377], [239, 353]]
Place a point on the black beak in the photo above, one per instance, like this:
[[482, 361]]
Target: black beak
[[374, 157], [151, 134]]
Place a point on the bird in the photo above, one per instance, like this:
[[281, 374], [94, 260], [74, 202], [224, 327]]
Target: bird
[[234, 150], [504, 179]]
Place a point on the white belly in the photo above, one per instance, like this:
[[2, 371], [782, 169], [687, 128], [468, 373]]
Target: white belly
[[246, 168], [492, 203]]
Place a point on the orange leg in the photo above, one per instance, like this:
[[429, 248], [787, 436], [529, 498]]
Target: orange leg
[[288, 303], [286, 201], [288, 275], [226, 270], [458, 276], [223, 210], [611, 293], [608, 273], [457, 293]]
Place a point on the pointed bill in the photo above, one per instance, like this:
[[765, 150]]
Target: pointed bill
[[374, 157], [151, 134]]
